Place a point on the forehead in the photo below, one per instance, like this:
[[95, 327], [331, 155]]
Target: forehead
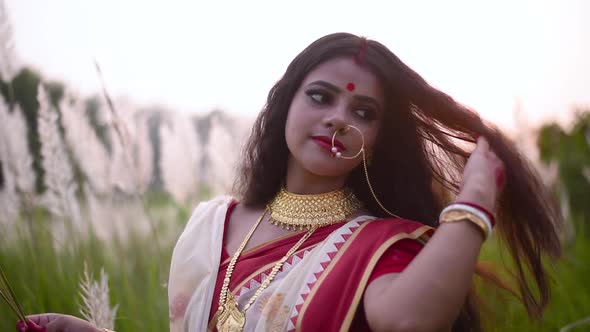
[[341, 72]]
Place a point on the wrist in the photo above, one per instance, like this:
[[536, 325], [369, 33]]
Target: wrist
[[477, 198], [466, 228], [458, 212], [487, 212]]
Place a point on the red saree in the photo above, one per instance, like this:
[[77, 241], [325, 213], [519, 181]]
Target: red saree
[[332, 300]]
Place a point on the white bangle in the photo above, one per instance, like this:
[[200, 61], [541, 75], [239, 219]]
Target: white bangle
[[472, 210]]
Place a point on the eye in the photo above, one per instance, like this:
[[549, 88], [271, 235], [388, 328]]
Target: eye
[[366, 114], [318, 97]]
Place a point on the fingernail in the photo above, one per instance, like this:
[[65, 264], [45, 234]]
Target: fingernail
[[499, 177]]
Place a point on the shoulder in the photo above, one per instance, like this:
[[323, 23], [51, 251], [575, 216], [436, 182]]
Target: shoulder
[[369, 239], [398, 227], [215, 205], [205, 223], [206, 213]]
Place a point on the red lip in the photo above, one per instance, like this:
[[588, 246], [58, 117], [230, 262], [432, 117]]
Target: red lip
[[326, 142]]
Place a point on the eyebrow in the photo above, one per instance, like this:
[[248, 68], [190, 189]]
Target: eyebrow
[[336, 89]]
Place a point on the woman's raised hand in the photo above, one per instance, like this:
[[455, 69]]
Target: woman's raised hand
[[55, 323], [483, 177]]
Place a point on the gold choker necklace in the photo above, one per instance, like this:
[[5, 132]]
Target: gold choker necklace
[[302, 212]]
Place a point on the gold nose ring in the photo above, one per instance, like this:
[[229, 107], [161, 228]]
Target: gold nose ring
[[343, 131]]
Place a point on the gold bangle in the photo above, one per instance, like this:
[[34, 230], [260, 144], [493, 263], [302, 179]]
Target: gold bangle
[[461, 215]]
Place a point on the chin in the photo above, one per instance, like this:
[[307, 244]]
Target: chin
[[329, 168]]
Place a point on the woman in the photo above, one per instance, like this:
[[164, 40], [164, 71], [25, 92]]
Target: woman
[[345, 175]]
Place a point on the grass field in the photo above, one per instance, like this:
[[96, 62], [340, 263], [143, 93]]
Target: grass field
[[570, 300], [45, 277]]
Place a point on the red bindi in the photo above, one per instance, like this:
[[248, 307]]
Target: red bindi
[[350, 86]]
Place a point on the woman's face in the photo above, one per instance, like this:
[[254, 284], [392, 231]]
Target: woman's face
[[334, 95]]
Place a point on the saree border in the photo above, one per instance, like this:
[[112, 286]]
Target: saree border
[[301, 253], [314, 288], [345, 318], [417, 234]]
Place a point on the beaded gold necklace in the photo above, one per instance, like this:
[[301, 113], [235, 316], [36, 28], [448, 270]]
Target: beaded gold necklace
[[314, 211], [230, 317], [302, 212]]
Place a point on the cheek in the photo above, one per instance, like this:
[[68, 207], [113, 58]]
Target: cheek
[[293, 128], [299, 120]]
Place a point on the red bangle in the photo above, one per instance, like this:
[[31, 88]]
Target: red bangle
[[482, 209]]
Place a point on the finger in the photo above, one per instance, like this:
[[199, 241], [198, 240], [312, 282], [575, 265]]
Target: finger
[[493, 157], [490, 153], [21, 326], [482, 146], [482, 143], [42, 319], [33, 327], [62, 323], [45, 322], [30, 326], [496, 160]]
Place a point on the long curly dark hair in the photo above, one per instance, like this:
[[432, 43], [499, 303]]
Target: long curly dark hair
[[418, 158]]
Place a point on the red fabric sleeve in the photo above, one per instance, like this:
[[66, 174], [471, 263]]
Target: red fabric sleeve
[[396, 258], [224, 254]]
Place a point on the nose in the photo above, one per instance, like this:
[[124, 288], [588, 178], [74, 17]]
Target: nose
[[335, 119]]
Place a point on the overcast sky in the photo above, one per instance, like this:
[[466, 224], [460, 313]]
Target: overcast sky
[[197, 55]]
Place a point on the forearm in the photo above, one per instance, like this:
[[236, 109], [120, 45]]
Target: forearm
[[431, 291]]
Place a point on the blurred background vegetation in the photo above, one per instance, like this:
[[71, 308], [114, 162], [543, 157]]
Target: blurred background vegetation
[[82, 182], [45, 261]]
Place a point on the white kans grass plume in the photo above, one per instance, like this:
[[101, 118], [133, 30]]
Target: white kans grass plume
[[143, 154], [9, 201], [124, 164], [60, 196], [8, 58], [136, 149], [89, 152], [19, 160], [222, 151], [95, 300], [180, 157], [115, 217], [129, 169], [17, 163], [121, 168]]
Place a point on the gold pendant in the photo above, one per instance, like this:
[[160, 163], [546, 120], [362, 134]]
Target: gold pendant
[[231, 319]]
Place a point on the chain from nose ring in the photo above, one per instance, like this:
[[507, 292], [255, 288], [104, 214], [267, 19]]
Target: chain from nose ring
[[339, 155]]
